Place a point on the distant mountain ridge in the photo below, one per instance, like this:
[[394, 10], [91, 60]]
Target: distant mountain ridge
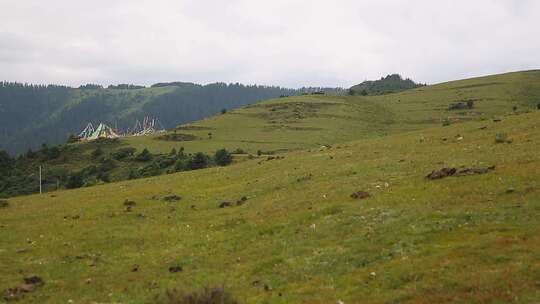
[[389, 84]]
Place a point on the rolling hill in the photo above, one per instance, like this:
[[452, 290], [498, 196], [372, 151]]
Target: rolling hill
[[287, 124], [341, 211]]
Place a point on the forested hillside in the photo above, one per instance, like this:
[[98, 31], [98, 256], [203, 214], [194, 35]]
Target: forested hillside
[[34, 114]]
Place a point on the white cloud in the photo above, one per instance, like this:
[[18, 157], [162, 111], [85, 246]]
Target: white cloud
[[279, 42]]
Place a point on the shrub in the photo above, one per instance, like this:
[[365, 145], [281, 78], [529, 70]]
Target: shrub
[[53, 153], [180, 165], [470, 104], [538, 106], [198, 161], [75, 180], [6, 162], [165, 161], [30, 153], [97, 153], [223, 157], [104, 176], [90, 170], [133, 174], [144, 156], [106, 165], [216, 295], [223, 111], [150, 170], [123, 153]]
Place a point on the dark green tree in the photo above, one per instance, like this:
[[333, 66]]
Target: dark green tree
[[144, 156], [223, 157], [198, 161], [75, 180]]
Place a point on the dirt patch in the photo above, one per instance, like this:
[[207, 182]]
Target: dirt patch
[[241, 201], [445, 172], [129, 203], [360, 195], [174, 269], [172, 198], [16, 293], [225, 204]]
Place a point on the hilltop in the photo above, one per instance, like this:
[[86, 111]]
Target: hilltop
[[277, 126], [390, 84]]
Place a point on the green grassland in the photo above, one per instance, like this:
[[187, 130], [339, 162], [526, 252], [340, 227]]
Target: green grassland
[[311, 121], [307, 121], [299, 237]]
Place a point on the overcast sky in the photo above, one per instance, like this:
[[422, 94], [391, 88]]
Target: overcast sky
[[290, 43]]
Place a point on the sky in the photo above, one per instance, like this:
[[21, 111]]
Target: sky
[[291, 43]]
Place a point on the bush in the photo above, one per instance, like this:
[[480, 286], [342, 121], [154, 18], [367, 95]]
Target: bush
[[150, 170], [538, 106], [106, 165], [165, 161], [53, 153], [75, 180], [97, 153], [223, 111], [104, 176], [144, 156], [198, 161], [6, 162], [470, 104], [180, 165], [133, 174], [223, 157], [123, 153]]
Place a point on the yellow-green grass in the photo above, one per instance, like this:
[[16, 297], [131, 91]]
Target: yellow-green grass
[[313, 120], [469, 239]]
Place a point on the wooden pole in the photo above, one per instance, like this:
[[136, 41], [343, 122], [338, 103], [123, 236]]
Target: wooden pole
[[40, 192]]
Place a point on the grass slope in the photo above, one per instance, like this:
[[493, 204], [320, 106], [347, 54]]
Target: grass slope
[[311, 121], [458, 239], [308, 121]]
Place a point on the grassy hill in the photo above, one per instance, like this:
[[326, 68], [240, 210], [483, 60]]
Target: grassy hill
[[299, 236], [289, 124], [301, 122]]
